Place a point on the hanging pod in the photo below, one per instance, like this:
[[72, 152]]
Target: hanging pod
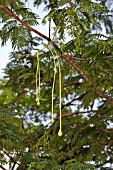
[[53, 87], [38, 80], [60, 97]]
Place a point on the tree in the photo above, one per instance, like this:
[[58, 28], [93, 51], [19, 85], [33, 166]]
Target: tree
[[67, 77]]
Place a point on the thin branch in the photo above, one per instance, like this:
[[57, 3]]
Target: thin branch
[[50, 29], [97, 91], [13, 166], [12, 159], [108, 131], [70, 103], [110, 143], [70, 114], [10, 13], [88, 59], [2, 167], [67, 115], [81, 59], [106, 57]]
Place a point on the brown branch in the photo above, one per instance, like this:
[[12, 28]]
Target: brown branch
[[108, 131], [10, 13], [110, 143], [12, 159], [81, 59], [2, 167], [67, 115], [106, 57], [97, 91], [88, 59], [13, 166], [70, 114], [70, 103]]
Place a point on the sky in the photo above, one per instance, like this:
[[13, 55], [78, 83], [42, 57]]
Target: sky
[[4, 53]]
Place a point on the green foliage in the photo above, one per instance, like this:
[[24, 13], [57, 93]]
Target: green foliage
[[27, 136]]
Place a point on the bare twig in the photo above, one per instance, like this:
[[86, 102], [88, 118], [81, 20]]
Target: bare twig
[[110, 143], [13, 166], [2, 167], [12, 159], [88, 59], [106, 57], [69, 103], [70, 114], [108, 131], [67, 115], [81, 59]]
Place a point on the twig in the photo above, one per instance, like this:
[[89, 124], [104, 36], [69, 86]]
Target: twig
[[70, 114], [108, 131], [81, 59], [67, 115], [2, 167], [110, 143], [69, 103], [12, 159], [106, 57], [13, 166], [88, 59]]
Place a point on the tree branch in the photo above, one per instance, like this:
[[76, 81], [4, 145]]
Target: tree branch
[[10, 13], [97, 91], [107, 57], [108, 131], [2, 167], [101, 94], [70, 103], [13, 166], [12, 159], [67, 115], [110, 143], [88, 59]]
